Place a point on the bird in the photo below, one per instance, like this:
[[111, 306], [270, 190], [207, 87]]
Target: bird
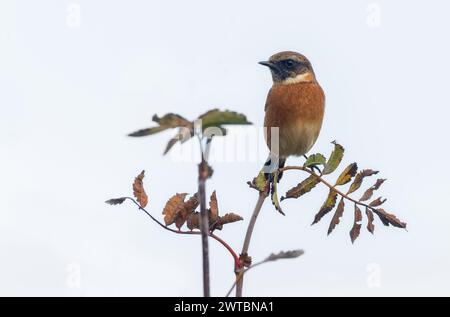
[[295, 105]]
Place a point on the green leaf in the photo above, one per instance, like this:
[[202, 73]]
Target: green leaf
[[359, 179], [275, 200], [347, 175], [183, 135], [168, 121], [337, 215], [216, 118], [334, 160], [304, 187], [327, 206], [315, 159]]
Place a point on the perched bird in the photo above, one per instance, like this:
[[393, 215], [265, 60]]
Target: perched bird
[[295, 105]]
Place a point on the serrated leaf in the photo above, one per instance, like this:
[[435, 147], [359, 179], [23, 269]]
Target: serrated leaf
[[138, 190], [337, 216], [369, 193], [327, 206], [356, 229], [284, 255], [334, 159], [357, 182], [377, 202], [275, 200], [188, 208], [315, 159], [304, 187], [168, 121], [193, 221], [389, 219], [173, 206], [347, 175], [213, 208], [370, 218], [228, 218], [216, 118], [116, 201]]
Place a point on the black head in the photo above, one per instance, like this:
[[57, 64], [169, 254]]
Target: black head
[[289, 67]]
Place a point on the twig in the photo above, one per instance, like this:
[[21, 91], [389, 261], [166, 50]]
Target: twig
[[239, 273], [323, 181], [212, 235]]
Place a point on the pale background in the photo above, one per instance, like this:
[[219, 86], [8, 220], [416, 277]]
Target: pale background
[[70, 91]]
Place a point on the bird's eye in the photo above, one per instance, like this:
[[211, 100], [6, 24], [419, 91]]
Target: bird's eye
[[289, 63]]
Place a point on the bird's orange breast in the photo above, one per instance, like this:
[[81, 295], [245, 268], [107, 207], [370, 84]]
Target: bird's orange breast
[[297, 110]]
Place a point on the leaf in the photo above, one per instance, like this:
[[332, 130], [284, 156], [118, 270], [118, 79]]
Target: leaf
[[216, 118], [377, 202], [284, 255], [259, 182], [173, 206], [193, 221], [356, 229], [275, 200], [168, 121], [334, 160], [182, 136], [359, 179], [213, 208], [315, 159], [228, 218], [304, 187], [347, 174], [337, 215], [138, 190], [370, 226], [369, 193], [327, 206], [188, 208], [116, 201], [389, 219]]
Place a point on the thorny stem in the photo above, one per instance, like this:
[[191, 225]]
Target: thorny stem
[[240, 272], [212, 235]]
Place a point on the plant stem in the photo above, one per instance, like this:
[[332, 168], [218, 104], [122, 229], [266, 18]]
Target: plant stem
[[204, 224], [239, 273]]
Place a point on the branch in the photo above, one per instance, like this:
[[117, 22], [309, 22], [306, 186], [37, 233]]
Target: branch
[[212, 235], [244, 253], [326, 183]]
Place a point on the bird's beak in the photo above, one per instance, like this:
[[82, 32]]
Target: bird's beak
[[268, 64]]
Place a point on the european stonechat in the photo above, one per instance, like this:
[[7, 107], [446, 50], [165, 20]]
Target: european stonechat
[[295, 105]]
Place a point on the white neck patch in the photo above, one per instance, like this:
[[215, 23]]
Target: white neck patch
[[300, 78]]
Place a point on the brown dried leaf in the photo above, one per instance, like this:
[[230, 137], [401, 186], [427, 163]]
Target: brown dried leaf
[[138, 190], [369, 193], [213, 208], [347, 175], [173, 207], [370, 218], [356, 229], [116, 201], [193, 221], [284, 255], [228, 218], [377, 202], [359, 179], [188, 208], [304, 187], [337, 215], [327, 206], [389, 219]]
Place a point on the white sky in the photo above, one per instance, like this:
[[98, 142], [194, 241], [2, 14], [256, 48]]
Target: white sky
[[69, 95]]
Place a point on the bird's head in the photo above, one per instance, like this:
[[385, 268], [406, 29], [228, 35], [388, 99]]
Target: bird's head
[[290, 68]]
